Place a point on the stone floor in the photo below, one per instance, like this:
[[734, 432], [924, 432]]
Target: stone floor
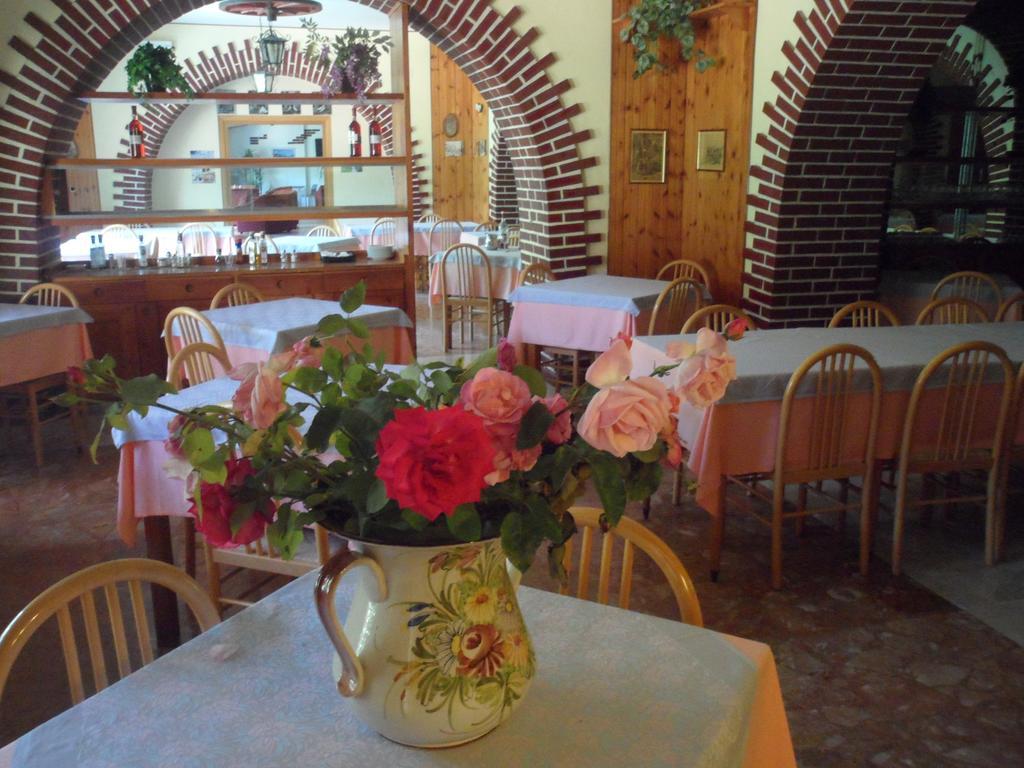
[[875, 672]]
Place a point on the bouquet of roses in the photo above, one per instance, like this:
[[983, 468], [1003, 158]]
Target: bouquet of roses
[[426, 454]]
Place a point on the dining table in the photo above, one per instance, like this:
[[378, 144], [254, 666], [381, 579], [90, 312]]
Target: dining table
[[737, 435], [363, 228], [613, 688], [157, 240], [252, 333], [38, 341], [506, 265], [320, 244], [583, 313], [907, 292]]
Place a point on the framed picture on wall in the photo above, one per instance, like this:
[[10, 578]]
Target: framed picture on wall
[[711, 151], [647, 157]]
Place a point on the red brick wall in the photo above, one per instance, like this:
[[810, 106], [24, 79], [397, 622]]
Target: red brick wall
[[90, 37], [818, 197], [503, 195]]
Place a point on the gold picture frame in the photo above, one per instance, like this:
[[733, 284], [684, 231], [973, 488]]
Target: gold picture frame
[[711, 151], [647, 152]]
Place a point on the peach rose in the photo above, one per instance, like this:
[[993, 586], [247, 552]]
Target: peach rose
[[703, 378], [561, 430], [500, 398], [612, 366], [306, 355], [508, 459], [628, 417], [260, 397]]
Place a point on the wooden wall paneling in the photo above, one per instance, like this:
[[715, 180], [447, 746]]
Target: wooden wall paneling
[[645, 225], [460, 184], [714, 203]]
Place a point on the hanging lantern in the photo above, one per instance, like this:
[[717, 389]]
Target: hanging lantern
[[271, 50]]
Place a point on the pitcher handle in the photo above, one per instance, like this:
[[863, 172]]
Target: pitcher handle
[[353, 678]]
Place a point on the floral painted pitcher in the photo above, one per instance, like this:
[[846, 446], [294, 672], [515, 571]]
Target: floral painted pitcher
[[441, 654]]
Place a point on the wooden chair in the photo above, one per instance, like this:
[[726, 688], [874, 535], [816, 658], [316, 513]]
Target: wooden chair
[[691, 270], [443, 235], [952, 311], [513, 236], [428, 218], [126, 238], [58, 600], [194, 237], [680, 299], [634, 536], [864, 314], [486, 226], [461, 301], [236, 295], [1015, 302], [836, 373], [189, 326], [49, 295], [324, 230], [963, 370], [535, 274], [195, 363], [974, 286], [32, 397], [716, 317], [258, 556], [384, 232]]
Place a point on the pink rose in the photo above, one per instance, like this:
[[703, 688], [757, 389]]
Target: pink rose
[[175, 437], [561, 429], [703, 378], [306, 355], [627, 417], [499, 398], [612, 366], [260, 397], [735, 330], [507, 359], [674, 456], [508, 459]]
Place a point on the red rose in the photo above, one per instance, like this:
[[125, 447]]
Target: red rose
[[76, 375], [433, 461], [219, 504]]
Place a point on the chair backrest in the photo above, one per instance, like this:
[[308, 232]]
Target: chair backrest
[[190, 326], [1017, 414], [384, 232], [195, 363], [324, 230], [680, 299], [199, 239], [975, 286], [513, 236], [459, 277], [961, 371], [58, 600], [691, 270], [952, 311], [536, 273], [832, 421], [716, 317], [428, 218], [443, 235], [127, 240], [1012, 309], [236, 295], [48, 295], [486, 226], [634, 536], [864, 314]]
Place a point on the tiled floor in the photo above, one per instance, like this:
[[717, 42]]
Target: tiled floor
[[874, 672]]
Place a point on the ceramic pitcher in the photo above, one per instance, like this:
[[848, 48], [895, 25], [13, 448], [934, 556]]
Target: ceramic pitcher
[[434, 652]]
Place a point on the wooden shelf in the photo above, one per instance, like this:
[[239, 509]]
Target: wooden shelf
[[232, 162], [103, 218], [214, 97], [718, 9]]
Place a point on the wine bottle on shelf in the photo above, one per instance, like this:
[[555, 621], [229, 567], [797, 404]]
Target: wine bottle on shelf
[[376, 139], [143, 254], [355, 137], [179, 252], [136, 136]]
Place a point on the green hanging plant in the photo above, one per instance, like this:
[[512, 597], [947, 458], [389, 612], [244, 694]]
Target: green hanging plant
[[154, 69], [651, 20]]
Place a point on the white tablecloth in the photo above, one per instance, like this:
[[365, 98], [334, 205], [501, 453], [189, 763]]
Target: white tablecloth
[[613, 688], [158, 241], [623, 294], [506, 258], [305, 244], [22, 318]]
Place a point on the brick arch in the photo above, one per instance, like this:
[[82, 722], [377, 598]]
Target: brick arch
[[818, 196], [87, 39]]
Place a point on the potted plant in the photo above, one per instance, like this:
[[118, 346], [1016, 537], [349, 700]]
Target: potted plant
[[353, 56], [435, 474], [652, 20], [154, 69]]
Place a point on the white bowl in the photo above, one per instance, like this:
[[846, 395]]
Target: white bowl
[[379, 252]]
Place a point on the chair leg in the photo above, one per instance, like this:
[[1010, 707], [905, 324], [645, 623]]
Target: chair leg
[[992, 515], [647, 508], [801, 507], [929, 485], [868, 510], [898, 524], [34, 427], [717, 532], [212, 577], [778, 500], [677, 486], [446, 321], [844, 499], [190, 546]]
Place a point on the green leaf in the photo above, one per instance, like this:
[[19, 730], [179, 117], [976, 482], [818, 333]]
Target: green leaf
[[377, 498], [359, 329], [416, 522], [324, 423], [519, 546], [307, 379], [643, 481], [330, 325], [145, 390], [533, 378], [651, 456], [534, 426], [198, 446], [353, 298], [610, 485], [486, 359], [464, 523]]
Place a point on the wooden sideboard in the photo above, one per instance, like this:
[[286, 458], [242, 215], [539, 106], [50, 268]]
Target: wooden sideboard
[[128, 306]]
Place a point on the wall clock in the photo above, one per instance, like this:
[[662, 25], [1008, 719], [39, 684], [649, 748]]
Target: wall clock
[[450, 125]]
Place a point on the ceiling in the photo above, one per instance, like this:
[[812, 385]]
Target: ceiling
[[336, 14]]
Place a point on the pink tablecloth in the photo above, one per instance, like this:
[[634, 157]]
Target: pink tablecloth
[[42, 352], [503, 281], [571, 327]]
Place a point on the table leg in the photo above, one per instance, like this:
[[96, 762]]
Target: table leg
[[165, 604], [531, 356]]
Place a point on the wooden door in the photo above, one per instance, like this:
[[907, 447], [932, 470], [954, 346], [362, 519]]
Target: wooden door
[[83, 185]]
